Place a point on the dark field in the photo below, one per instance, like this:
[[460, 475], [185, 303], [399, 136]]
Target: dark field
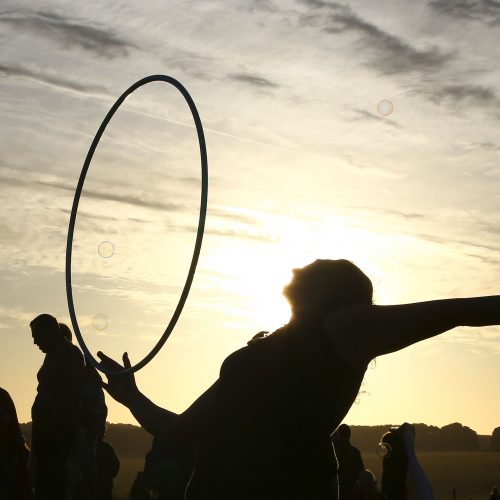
[[472, 474]]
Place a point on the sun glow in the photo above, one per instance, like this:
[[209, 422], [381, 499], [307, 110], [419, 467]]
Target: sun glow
[[254, 272]]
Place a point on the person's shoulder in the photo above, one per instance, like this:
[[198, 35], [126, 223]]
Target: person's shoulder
[[74, 354]]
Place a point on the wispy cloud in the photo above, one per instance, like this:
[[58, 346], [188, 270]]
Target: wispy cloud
[[478, 95], [386, 53], [485, 11], [254, 80], [51, 79], [69, 33], [363, 114], [389, 53], [118, 197], [389, 211]]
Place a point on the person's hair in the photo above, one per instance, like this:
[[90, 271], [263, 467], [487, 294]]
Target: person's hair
[[394, 465], [325, 285], [344, 431], [65, 331], [45, 322]]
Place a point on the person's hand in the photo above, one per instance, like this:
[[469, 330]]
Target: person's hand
[[121, 387]]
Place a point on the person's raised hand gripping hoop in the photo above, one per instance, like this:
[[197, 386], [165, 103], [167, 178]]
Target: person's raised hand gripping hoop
[[120, 386]]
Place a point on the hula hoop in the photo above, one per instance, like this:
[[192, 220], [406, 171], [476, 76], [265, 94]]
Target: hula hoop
[[199, 235]]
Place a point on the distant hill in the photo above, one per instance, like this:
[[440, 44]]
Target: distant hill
[[129, 441], [133, 441], [451, 437]]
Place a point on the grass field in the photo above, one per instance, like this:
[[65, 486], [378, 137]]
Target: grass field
[[472, 474]]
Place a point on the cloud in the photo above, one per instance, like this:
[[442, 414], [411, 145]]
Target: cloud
[[231, 233], [458, 93], [485, 11], [254, 80], [389, 53], [119, 198], [321, 4], [386, 53], [69, 33], [362, 114], [52, 80], [388, 211]]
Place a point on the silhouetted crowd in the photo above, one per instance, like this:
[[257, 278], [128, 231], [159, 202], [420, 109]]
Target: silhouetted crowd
[[68, 458]]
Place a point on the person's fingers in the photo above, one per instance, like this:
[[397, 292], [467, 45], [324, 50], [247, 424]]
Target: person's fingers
[[126, 360], [108, 362]]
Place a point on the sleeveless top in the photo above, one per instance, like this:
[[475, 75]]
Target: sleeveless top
[[279, 399]]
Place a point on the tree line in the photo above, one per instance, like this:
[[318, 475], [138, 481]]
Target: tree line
[[133, 441]]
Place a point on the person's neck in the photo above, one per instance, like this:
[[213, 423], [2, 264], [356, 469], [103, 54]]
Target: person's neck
[[59, 345]]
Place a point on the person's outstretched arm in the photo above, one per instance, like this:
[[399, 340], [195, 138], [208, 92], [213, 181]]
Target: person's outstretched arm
[[362, 332], [156, 420]]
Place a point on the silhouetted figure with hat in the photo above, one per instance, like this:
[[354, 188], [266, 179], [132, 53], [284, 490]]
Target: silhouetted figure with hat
[[56, 411], [349, 460], [264, 426]]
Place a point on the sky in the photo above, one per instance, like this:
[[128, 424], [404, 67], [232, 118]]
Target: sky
[[360, 130]]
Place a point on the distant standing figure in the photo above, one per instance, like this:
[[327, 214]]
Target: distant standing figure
[[14, 453], [57, 407], [403, 478], [349, 459], [495, 495], [108, 466]]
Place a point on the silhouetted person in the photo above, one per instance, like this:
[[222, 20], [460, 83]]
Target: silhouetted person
[[140, 490], [14, 453], [91, 428], [403, 477], [366, 488], [57, 407], [264, 426], [168, 467], [495, 495], [108, 466], [349, 459]]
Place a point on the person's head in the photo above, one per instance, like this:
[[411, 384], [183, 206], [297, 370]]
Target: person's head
[[65, 331], [366, 482], [343, 431], [45, 332], [326, 285]]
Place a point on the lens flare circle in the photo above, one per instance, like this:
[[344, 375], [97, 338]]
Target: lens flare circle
[[106, 249], [383, 449], [100, 322], [385, 107], [199, 234]]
